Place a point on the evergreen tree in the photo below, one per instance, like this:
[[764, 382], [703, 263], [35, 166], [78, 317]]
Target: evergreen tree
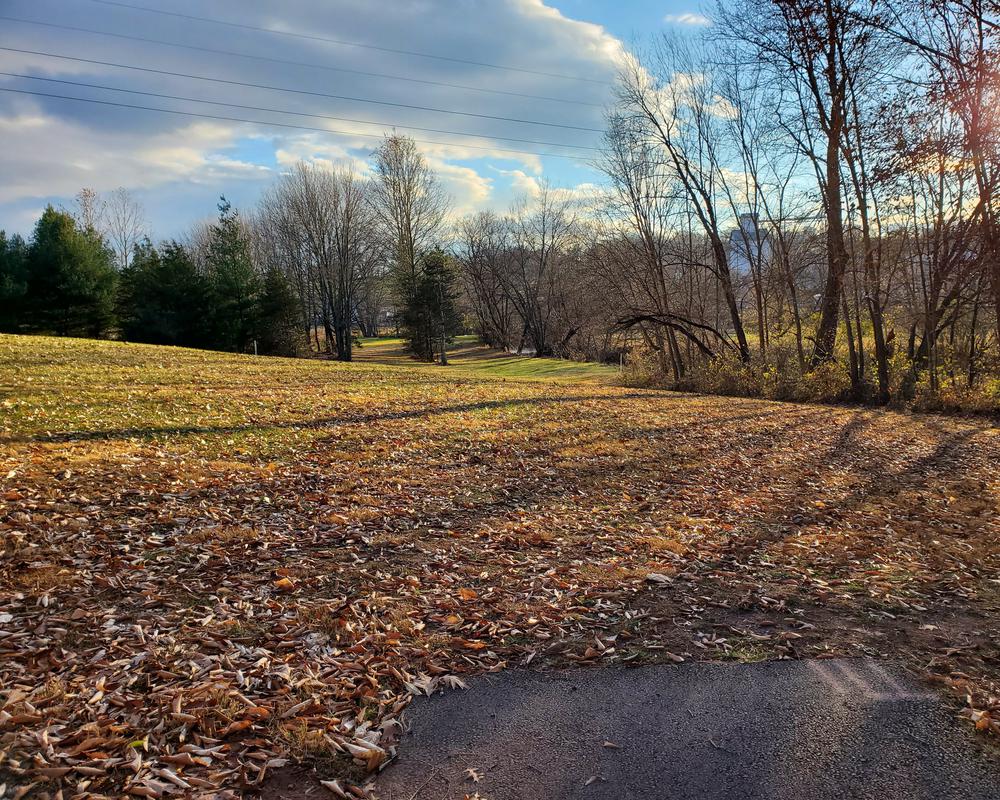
[[131, 303], [13, 281], [236, 286], [71, 280], [279, 331], [430, 316], [162, 298]]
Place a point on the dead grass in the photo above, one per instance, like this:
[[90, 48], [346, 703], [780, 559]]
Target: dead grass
[[313, 748], [224, 534], [662, 544], [41, 579]]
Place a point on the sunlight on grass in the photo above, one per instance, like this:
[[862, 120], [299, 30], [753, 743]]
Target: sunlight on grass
[[468, 357]]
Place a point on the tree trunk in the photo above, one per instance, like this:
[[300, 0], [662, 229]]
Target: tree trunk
[[836, 265], [851, 352]]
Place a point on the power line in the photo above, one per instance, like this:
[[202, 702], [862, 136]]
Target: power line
[[346, 70], [346, 43], [338, 97], [253, 86], [283, 111], [311, 65], [274, 124]]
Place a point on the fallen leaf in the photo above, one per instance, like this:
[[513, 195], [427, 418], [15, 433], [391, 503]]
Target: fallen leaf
[[473, 774]]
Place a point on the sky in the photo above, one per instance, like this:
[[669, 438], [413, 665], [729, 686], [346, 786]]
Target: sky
[[509, 93]]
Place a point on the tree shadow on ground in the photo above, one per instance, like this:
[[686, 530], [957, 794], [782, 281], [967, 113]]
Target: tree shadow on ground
[[147, 432]]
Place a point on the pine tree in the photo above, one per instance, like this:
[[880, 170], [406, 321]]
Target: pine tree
[[236, 286], [430, 316], [70, 281], [279, 332], [13, 281], [162, 297]]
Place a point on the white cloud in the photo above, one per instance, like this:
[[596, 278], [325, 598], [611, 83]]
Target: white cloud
[[522, 183], [687, 18], [590, 39], [53, 156], [54, 147], [314, 148], [468, 189], [528, 187]]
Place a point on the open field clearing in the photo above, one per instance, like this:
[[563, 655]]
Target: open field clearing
[[470, 357], [216, 566]]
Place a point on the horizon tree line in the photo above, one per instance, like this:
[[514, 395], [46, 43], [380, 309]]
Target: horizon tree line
[[802, 203]]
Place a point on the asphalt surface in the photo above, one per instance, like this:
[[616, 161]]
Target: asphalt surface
[[804, 730]]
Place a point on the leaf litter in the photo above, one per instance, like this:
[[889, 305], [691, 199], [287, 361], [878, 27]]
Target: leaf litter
[[266, 565]]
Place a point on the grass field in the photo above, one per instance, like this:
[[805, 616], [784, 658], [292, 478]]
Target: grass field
[[214, 566], [468, 357]]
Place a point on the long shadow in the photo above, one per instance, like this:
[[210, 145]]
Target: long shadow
[[533, 486], [929, 471], [790, 421], [309, 424]]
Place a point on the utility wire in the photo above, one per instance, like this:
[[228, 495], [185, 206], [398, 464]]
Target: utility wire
[[253, 86], [381, 75], [338, 97], [285, 111], [274, 124], [346, 43]]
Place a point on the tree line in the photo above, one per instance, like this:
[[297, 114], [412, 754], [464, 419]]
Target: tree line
[[800, 204], [326, 257], [72, 280]]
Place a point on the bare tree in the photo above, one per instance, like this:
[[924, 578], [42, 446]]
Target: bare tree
[[325, 221], [89, 212], [484, 256], [277, 243], [196, 242], [374, 300], [959, 42], [672, 100], [410, 205], [124, 224], [636, 258], [541, 234], [819, 49]]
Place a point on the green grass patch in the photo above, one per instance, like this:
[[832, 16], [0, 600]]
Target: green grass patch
[[468, 357]]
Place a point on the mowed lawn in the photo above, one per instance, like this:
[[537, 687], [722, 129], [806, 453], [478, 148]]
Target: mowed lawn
[[215, 567], [467, 356]]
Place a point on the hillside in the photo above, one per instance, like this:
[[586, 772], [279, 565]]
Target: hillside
[[215, 566]]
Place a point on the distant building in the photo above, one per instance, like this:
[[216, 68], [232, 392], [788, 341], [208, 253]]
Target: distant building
[[749, 245]]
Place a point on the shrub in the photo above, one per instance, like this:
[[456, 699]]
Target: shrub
[[828, 383], [643, 372], [776, 378], [953, 396]]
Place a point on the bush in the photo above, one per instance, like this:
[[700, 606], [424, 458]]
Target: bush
[[827, 383], [642, 372], [728, 376], [956, 397], [777, 378]]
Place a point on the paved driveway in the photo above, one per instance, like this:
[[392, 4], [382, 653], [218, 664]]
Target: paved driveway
[[808, 730]]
